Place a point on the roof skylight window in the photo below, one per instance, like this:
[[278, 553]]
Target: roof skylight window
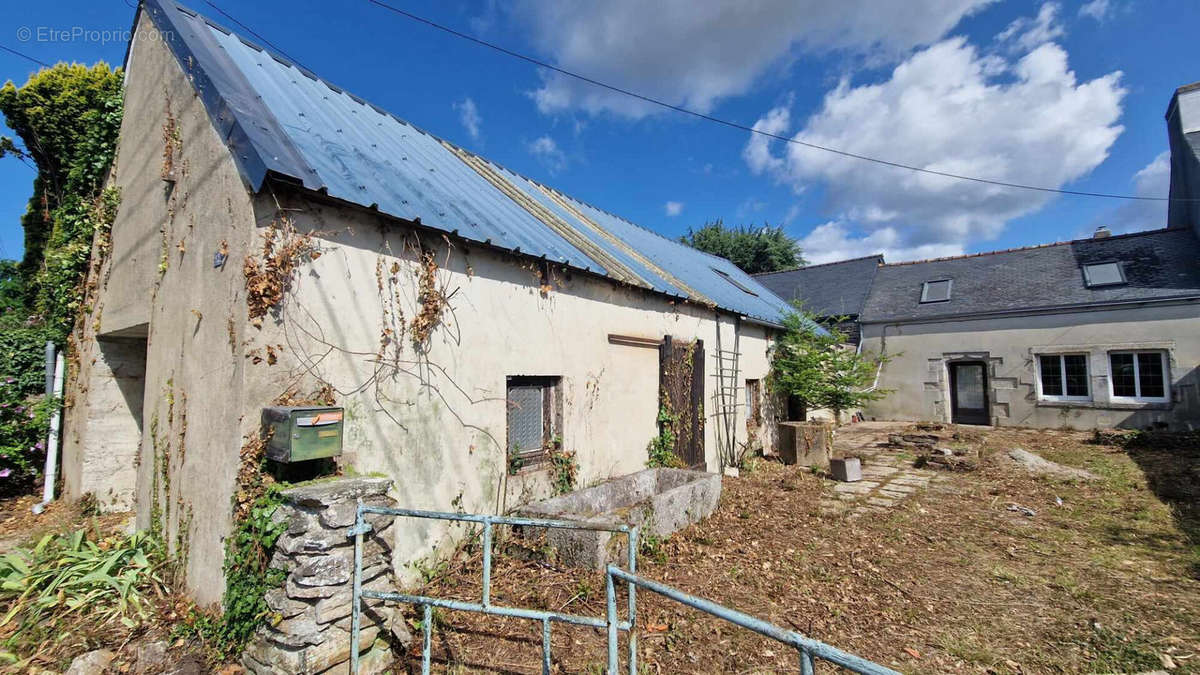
[[936, 291], [1103, 274], [742, 287]]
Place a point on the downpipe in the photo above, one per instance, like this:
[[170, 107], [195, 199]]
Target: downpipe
[[54, 387]]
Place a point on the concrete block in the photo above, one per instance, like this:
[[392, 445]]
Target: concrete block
[[660, 501], [806, 443], [847, 470]]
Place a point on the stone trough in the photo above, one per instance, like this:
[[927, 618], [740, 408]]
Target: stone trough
[[659, 501]]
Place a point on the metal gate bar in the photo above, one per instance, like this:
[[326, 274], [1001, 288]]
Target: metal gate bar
[[612, 622], [807, 647]]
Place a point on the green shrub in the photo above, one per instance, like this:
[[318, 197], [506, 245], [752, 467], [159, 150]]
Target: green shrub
[[24, 410], [69, 583]]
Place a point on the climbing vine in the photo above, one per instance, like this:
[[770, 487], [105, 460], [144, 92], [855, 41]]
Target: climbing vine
[[431, 301], [67, 118], [269, 274], [248, 576], [661, 450], [247, 556]]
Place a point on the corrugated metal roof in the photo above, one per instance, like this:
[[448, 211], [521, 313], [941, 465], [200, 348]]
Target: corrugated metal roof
[[281, 119]]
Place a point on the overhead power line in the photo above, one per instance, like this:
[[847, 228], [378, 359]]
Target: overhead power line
[[25, 56], [750, 129], [251, 31]]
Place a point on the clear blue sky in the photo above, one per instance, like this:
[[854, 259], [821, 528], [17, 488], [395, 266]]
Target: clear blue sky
[[1064, 94]]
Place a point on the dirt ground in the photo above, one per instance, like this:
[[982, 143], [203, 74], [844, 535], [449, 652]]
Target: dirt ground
[[20, 527], [1103, 577]]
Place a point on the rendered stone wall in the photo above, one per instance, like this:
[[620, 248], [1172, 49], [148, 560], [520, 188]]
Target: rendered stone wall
[[918, 382], [310, 629]]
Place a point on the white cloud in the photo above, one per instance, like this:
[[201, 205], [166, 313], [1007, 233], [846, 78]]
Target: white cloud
[[696, 53], [548, 153], [1027, 33], [749, 208], [757, 152], [947, 108], [673, 208], [1097, 9], [468, 114], [1152, 180], [834, 241]]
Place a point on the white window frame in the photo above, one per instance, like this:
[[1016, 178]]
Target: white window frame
[[1062, 372], [1137, 379], [925, 290]]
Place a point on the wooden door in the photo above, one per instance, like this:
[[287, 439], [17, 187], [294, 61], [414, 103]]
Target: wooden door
[[681, 393]]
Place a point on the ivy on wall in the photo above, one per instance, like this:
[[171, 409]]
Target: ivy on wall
[[67, 119]]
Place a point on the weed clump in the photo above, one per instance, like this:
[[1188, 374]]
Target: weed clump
[[69, 584]]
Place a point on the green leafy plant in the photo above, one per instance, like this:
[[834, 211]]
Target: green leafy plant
[[68, 118], [70, 581], [651, 546], [564, 468], [661, 450], [248, 577], [820, 368], [24, 409], [515, 461]]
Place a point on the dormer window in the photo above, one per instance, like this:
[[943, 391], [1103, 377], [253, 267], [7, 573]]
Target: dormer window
[[1103, 274], [936, 291]]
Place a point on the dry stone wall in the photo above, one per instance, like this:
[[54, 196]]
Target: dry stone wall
[[309, 631]]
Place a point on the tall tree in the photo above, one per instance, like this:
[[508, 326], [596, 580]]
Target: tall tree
[[753, 249], [67, 118]]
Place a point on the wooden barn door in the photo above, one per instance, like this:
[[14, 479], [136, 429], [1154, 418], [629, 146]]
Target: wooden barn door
[[681, 390]]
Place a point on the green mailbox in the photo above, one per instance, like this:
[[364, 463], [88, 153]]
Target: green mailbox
[[300, 433]]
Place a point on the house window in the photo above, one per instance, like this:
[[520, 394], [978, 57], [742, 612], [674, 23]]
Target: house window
[[936, 291], [1138, 376], [1103, 274], [534, 419], [753, 404], [1064, 377]]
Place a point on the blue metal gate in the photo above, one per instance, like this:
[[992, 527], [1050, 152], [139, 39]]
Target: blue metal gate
[[485, 606], [807, 648]]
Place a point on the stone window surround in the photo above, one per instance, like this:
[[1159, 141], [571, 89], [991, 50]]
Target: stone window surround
[[1098, 371]]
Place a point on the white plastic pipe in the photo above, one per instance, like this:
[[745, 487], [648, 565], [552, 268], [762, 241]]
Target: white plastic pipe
[[52, 441]]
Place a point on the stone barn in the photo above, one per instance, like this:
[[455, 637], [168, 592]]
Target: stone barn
[[281, 240]]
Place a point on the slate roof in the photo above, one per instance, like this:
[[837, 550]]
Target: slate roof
[[281, 120], [1158, 265], [830, 289]]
